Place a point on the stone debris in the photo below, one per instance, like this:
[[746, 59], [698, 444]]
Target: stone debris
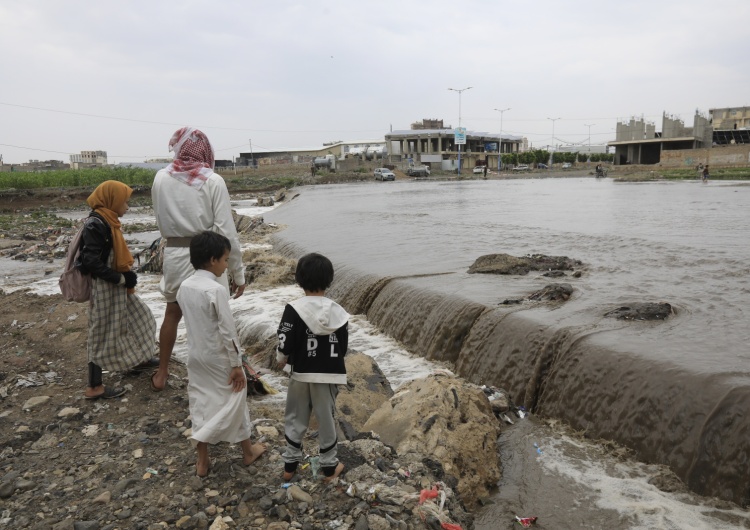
[[98, 469], [68, 411], [35, 402]]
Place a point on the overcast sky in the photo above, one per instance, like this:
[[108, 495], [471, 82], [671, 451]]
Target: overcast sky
[[123, 76]]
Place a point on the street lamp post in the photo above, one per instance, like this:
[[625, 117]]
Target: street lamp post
[[553, 120], [500, 146], [589, 125], [459, 90]]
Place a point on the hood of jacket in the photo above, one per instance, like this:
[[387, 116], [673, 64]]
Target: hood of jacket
[[322, 315]]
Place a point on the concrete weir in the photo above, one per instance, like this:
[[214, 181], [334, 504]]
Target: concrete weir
[[694, 423]]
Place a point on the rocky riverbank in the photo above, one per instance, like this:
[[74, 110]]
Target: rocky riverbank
[[71, 464]]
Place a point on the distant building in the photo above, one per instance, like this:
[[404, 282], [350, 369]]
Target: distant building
[[638, 142], [438, 148], [88, 159], [731, 125], [579, 148], [36, 165], [305, 155], [428, 124]]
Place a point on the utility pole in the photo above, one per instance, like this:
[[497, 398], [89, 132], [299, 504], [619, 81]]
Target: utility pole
[[459, 90], [589, 125], [553, 120], [500, 147]]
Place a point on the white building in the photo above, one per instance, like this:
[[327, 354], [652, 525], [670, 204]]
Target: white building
[[98, 158]]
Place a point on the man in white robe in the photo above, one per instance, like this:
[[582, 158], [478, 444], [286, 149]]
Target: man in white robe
[[188, 198]]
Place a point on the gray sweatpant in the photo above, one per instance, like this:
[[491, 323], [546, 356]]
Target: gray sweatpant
[[301, 400]]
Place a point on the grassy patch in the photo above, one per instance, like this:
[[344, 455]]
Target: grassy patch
[[729, 173], [72, 178]]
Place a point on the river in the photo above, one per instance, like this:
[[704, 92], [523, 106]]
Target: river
[[674, 391]]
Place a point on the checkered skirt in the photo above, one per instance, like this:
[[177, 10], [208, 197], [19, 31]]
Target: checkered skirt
[[122, 329]]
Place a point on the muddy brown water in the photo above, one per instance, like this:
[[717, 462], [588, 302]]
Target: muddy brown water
[[674, 391]]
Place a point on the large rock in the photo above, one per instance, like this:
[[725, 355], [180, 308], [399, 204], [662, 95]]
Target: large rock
[[642, 311], [450, 420], [245, 223], [507, 264], [366, 390]]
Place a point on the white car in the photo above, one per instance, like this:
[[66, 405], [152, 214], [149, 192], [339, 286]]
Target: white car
[[522, 167], [383, 173], [567, 165], [479, 170]]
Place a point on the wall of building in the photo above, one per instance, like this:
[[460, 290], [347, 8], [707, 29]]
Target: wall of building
[[731, 118], [674, 127], [720, 156], [702, 130], [635, 129]]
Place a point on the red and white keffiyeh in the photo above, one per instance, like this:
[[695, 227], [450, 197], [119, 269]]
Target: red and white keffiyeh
[[193, 157]]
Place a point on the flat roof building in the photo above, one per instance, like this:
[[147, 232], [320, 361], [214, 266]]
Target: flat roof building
[[638, 142], [438, 146]]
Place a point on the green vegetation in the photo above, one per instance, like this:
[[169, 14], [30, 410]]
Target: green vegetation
[[539, 156], [729, 173], [69, 178]]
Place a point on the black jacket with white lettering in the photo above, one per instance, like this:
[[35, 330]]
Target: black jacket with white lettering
[[317, 355]]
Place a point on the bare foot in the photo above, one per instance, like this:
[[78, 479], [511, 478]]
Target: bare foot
[[336, 473], [201, 468], [202, 462], [255, 451], [159, 381], [288, 476]]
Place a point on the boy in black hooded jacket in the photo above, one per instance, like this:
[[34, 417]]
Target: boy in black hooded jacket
[[313, 339]]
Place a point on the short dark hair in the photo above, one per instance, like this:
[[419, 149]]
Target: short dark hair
[[314, 272], [207, 245]]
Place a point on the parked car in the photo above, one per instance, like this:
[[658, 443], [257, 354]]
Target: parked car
[[479, 170], [383, 173], [567, 165], [522, 167], [418, 171], [542, 166]]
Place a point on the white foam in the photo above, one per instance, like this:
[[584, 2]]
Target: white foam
[[623, 486], [249, 207]]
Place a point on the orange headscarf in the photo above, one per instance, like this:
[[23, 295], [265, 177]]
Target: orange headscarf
[[107, 197]]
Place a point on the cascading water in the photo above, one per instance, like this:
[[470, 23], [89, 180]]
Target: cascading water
[[402, 261]]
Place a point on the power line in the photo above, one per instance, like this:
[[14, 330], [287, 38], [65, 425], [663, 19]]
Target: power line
[[118, 156], [68, 153], [99, 116]]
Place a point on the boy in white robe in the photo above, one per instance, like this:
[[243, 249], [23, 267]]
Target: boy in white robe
[[217, 382]]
